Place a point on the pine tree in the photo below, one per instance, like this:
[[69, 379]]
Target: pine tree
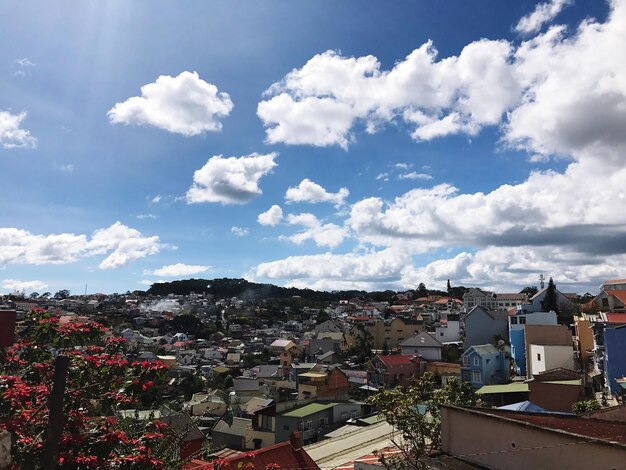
[[550, 301], [449, 286]]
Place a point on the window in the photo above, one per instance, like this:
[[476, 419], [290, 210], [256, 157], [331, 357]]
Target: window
[[539, 356], [476, 361], [513, 321], [476, 376], [522, 320], [285, 427], [323, 421], [353, 413], [441, 333], [465, 361], [308, 425]]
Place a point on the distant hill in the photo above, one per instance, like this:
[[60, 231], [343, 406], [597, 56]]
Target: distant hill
[[226, 287]]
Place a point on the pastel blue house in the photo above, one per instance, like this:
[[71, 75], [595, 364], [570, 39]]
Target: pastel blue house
[[484, 365], [517, 334], [614, 357]]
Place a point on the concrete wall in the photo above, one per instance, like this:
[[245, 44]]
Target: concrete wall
[[556, 335], [546, 357], [497, 444]]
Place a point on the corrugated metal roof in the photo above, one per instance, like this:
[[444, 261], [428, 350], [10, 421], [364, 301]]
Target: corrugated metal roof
[[309, 410]]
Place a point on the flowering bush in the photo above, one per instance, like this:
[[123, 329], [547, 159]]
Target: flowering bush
[[100, 381]]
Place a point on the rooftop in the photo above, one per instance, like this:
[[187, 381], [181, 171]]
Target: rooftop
[[309, 410]]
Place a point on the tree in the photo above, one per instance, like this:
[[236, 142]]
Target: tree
[[529, 291], [186, 323], [45, 295], [322, 317], [550, 300], [100, 380], [448, 287], [34, 295], [362, 347], [62, 294], [415, 412], [585, 406], [421, 290]]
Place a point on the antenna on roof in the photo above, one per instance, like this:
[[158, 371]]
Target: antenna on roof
[[85, 289], [541, 280]]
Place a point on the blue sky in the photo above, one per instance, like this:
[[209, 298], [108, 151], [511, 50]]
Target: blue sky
[[481, 142]]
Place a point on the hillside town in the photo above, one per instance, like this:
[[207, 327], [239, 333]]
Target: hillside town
[[291, 382]]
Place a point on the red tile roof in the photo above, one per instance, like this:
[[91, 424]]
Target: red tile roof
[[615, 281], [282, 454], [618, 294], [616, 317], [396, 359]]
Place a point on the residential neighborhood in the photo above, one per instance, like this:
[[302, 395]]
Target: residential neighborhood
[[306, 374]]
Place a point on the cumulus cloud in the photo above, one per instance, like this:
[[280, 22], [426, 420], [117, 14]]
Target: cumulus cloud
[[185, 105], [120, 243], [308, 191], [18, 285], [542, 14], [12, 135], [239, 231], [178, 270], [330, 235], [232, 180], [572, 103], [272, 216], [320, 103]]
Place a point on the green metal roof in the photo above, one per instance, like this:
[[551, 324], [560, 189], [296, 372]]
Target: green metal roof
[[508, 388], [563, 382], [309, 410]]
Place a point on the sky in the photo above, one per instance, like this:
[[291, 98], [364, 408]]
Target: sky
[[333, 145]]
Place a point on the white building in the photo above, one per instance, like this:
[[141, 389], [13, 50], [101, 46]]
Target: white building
[[546, 357]]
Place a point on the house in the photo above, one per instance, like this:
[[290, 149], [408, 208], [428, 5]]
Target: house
[[583, 342], [553, 356], [423, 344], [287, 455], [506, 301], [556, 389], [444, 371], [536, 303], [230, 434], [327, 341], [614, 284], [614, 358], [387, 333], [392, 370], [517, 335], [611, 300], [323, 385], [484, 365], [475, 297], [483, 327], [329, 326], [512, 440], [205, 404], [191, 440], [311, 420], [449, 329]]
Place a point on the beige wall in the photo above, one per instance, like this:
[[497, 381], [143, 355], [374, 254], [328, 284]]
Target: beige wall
[[555, 335], [584, 338], [489, 442]]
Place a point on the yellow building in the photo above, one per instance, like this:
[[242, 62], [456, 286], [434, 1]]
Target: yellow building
[[387, 332]]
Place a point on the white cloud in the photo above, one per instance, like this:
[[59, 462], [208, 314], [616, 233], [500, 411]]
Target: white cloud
[[120, 243], [320, 103], [272, 216], [239, 231], [308, 191], [178, 270], [66, 168], [415, 176], [156, 199], [124, 244], [21, 67], [567, 224], [232, 180], [147, 216], [12, 135], [382, 266], [542, 14], [383, 176], [18, 285], [185, 105], [402, 166], [330, 235]]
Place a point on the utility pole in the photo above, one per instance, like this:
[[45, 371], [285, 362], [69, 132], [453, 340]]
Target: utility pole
[[55, 415]]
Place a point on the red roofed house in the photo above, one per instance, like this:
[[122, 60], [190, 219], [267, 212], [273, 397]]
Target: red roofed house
[[286, 455], [392, 370], [611, 301]]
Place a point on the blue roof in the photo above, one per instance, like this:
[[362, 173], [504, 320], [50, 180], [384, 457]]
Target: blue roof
[[527, 406]]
